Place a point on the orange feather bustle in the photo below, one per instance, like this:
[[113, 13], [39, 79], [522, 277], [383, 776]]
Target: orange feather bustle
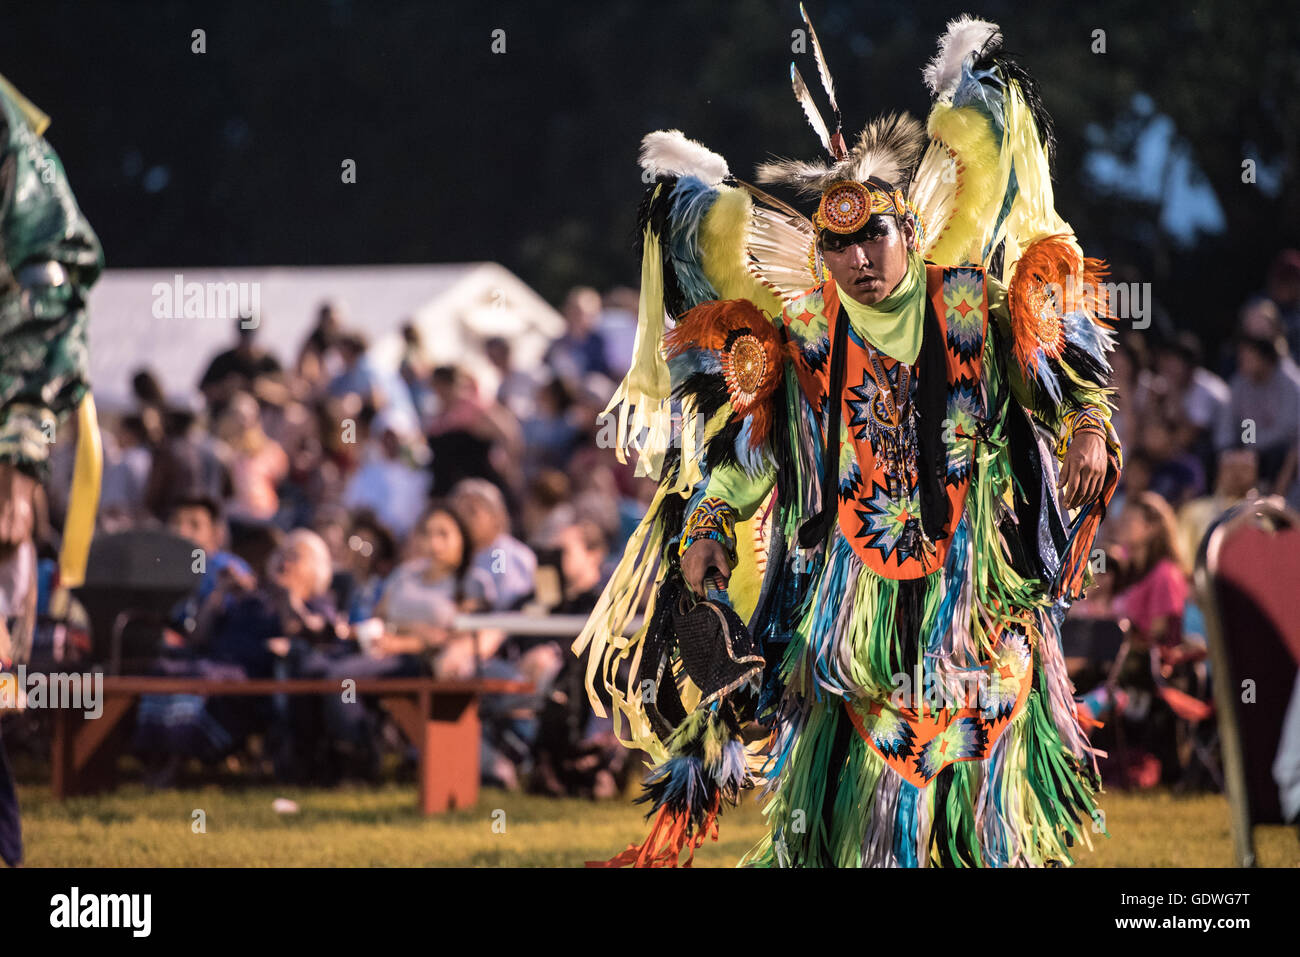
[[1052, 279], [751, 363]]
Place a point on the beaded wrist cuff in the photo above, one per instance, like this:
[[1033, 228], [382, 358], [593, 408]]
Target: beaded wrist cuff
[[713, 518], [1088, 418]]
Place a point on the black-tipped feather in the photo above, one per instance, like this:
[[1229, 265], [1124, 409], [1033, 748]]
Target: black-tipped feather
[[1013, 71], [708, 389]]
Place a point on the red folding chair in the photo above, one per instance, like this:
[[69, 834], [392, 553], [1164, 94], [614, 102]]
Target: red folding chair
[[1248, 577]]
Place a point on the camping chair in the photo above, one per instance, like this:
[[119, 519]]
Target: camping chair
[[1198, 737], [1246, 576], [1191, 708], [133, 580]]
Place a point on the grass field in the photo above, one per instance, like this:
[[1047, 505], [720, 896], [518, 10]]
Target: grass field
[[362, 827]]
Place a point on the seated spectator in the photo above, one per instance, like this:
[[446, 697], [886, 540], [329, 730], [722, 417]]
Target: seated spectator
[[1196, 401], [147, 391], [344, 424], [511, 723], [509, 564], [235, 369], [372, 557], [1178, 474], [617, 326], [380, 388], [584, 547], [185, 459], [415, 370], [1236, 480], [547, 509], [577, 753], [257, 463], [319, 360], [332, 524], [1265, 408], [357, 376], [518, 388], [465, 431], [287, 628], [421, 599], [1155, 587], [598, 496], [225, 577], [173, 728], [388, 483], [410, 633], [1152, 597], [1134, 389], [1282, 288], [128, 459], [290, 614], [581, 349], [549, 433]]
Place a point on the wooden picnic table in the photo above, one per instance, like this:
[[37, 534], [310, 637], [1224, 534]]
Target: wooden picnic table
[[439, 717]]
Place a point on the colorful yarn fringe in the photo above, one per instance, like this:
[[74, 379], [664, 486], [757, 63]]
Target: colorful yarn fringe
[[707, 767], [1028, 804]]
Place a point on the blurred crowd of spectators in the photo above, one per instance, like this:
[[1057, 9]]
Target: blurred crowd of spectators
[[349, 514], [1202, 433]]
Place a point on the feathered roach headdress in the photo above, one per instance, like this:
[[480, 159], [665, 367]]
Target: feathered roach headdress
[[853, 184]]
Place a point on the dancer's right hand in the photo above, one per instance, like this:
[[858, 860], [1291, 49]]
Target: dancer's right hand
[[702, 554]]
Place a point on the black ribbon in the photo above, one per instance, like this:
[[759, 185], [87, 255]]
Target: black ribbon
[[814, 530], [931, 412]]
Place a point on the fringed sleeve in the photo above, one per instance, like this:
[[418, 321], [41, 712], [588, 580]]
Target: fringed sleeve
[[732, 495], [725, 360], [1059, 372], [698, 400]]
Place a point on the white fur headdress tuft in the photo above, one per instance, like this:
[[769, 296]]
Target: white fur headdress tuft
[[669, 152], [965, 36]]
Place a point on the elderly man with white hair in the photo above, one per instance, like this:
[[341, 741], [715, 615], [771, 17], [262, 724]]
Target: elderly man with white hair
[[281, 630], [277, 628], [292, 608]]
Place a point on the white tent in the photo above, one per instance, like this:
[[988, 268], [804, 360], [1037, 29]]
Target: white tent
[[174, 321]]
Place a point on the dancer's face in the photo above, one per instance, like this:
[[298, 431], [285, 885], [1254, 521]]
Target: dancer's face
[[870, 263]]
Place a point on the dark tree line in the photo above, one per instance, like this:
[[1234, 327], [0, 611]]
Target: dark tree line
[[233, 156]]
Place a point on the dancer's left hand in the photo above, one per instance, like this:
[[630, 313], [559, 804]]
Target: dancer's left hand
[[1084, 470]]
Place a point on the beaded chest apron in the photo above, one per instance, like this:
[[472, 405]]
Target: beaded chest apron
[[879, 503]]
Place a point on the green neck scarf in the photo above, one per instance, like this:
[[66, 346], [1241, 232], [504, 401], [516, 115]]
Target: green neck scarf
[[894, 324]]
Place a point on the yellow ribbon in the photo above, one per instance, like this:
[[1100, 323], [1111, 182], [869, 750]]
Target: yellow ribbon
[[83, 502], [36, 119]]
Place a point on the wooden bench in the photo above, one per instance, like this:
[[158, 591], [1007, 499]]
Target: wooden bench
[[440, 718]]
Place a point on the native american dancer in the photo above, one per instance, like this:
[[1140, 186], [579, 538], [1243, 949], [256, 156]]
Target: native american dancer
[[882, 654], [49, 259]]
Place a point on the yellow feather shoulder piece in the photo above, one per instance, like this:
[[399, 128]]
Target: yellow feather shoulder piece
[[724, 238], [968, 154]]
